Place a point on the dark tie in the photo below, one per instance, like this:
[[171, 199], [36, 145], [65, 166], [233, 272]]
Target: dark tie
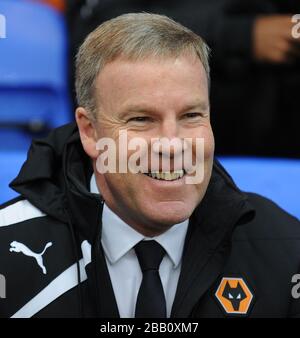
[[151, 302]]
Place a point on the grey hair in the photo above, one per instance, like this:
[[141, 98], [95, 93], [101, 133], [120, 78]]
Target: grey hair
[[133, 36]]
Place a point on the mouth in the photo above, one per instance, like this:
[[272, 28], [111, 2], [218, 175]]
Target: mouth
[[166, 176]]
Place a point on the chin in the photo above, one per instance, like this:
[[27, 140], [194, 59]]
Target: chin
[[168, 214]]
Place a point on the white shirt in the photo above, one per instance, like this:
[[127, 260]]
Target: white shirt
[[118, 241]]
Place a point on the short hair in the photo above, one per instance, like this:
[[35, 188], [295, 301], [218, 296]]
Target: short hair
[[133, 37]]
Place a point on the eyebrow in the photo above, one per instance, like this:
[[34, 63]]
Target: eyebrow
[[203, 106], [140, 108]]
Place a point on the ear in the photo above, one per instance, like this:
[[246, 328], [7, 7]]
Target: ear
[[87, 131]]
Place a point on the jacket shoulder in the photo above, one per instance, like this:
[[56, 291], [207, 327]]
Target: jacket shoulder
[[270, 221], [16, 211], [10, 202]]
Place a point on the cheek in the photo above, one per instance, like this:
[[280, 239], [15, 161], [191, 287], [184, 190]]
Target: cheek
[[124, 185], [209, 144], [207, 136]]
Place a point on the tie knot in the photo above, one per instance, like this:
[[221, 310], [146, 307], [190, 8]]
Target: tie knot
[[149, 254]]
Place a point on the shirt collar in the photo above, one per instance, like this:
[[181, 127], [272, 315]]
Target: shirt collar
[[118, 237]]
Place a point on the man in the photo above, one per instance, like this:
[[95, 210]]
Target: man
[[81, 241]]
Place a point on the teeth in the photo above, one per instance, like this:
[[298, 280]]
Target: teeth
[[167, 176]]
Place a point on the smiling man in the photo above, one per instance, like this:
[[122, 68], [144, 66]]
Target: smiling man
[[151, 97], [147, 241]]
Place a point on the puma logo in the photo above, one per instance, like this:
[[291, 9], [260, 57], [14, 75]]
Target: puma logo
[[19, 247]]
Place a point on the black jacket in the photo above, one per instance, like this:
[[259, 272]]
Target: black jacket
[[231, 234]]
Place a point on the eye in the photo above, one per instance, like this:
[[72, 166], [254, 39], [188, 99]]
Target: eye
[[230, 296], [139, 119], [192, 115], [239, 296]]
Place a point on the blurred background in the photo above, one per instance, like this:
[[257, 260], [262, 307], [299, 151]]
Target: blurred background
[[255, 70]]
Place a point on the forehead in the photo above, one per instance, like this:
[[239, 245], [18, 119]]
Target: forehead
[[163, 82]]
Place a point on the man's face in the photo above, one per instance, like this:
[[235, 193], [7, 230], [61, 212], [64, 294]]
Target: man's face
[[153, 99]]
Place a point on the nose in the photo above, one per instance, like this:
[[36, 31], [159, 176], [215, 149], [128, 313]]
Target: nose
[[169, 143], [169, 128]]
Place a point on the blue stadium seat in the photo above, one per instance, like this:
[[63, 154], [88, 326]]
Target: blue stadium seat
[[10, 165], [277, 179], [33, 73]]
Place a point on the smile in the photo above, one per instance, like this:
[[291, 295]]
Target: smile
[[166, 176]]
